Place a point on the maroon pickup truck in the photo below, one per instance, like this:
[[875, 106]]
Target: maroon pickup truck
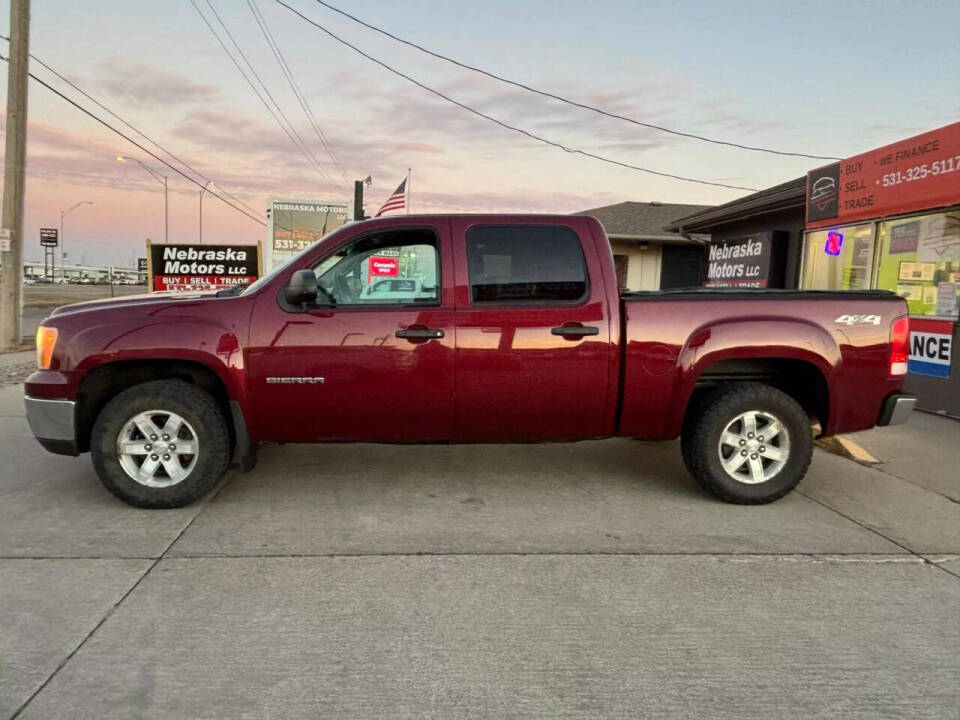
[[493, 328]]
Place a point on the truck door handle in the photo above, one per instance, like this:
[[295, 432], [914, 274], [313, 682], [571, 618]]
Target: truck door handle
[[419, 333], [573, 332]]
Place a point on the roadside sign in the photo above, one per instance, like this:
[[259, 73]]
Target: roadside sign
[[48, 237], [930, 347], [293, 225], [5, 239], [141, 264], [201, 267]]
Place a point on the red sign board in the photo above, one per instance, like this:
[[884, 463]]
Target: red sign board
[[384, 266], [919, 173]]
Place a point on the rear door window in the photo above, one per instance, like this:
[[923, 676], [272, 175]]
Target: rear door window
[[525, 264]]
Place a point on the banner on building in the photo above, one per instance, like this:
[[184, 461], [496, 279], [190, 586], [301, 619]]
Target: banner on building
[[930, 347], [293, 225], [919, 173], [187, 267]]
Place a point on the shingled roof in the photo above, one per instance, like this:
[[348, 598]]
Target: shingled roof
[[641, 220], [785, 196]]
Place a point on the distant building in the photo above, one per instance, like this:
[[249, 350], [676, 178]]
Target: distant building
[[646, 255]]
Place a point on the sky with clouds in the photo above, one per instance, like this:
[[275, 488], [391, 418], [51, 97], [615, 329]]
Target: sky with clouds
[[824, 78]]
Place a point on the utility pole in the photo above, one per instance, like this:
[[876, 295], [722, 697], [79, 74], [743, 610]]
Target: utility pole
[[13, 177], [162, 179], [62, 238], [358, 200], [358, 197]]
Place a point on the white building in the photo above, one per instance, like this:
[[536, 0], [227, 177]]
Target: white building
[[647, 256]]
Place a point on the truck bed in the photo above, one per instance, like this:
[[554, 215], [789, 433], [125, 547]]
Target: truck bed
[[828, 344]]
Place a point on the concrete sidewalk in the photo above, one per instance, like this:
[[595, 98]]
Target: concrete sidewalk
[[585, 580], [925, 451]]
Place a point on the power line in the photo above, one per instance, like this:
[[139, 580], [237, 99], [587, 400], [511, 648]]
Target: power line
[[513, 128], [277, 114], [561, 98], [288, 73], [136, 144], [136, 130]]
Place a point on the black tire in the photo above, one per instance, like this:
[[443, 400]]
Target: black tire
[[707, 421], [197, 408], [693, 412]]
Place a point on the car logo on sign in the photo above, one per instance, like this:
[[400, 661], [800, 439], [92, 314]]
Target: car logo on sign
[[823, 192]]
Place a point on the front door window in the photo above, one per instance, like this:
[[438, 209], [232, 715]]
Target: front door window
[[386, 269]]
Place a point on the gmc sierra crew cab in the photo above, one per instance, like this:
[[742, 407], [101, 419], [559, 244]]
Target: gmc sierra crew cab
[[510, 329]]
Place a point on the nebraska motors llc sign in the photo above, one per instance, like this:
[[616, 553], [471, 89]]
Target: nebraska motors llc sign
[[741, 262], [201, 267]]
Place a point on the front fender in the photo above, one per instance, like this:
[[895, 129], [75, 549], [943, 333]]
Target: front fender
[[208, 343]]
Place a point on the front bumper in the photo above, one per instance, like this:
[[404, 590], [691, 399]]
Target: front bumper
[[896, 409], [53, 422]]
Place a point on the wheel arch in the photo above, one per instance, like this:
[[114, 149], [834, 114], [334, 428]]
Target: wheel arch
[[103, 382], [801, 379], [796, 356]]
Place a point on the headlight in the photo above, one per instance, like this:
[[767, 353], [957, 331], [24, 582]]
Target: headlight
[[46, 339]]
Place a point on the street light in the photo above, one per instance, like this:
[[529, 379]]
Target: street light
[[63, 214], [204, 189], [162, 179]]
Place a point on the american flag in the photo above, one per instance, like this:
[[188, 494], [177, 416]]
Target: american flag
[[397, 201]]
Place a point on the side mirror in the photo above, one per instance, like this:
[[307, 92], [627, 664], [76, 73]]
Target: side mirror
[[302, 288]]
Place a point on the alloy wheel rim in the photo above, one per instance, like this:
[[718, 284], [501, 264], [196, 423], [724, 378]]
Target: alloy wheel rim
[[158, 448], [754, 447]]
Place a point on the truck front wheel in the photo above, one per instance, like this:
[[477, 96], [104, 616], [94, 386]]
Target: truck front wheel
[[748, 443], [161, 444]]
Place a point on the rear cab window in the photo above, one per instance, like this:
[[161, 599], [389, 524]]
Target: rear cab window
[[539, 264]]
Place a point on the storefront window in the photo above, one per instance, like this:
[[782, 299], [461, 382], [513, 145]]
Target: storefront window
[[839, 259], [920, 260]]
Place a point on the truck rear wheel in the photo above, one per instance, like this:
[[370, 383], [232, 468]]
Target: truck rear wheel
[[748, 443], [161, 444]]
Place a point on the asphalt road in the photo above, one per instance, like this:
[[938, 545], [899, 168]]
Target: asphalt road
[[592, 580]]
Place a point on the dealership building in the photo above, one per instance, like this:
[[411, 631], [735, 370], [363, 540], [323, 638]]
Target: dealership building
[[886, 219]]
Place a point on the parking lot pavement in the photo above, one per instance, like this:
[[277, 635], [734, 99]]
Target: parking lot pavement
[[47, 609], [603, 496], [928, 441], [588, 580], [520, 636]]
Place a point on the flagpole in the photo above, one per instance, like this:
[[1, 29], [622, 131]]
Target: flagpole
[[408, 191]]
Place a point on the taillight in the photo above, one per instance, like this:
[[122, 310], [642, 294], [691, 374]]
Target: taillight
[[46, 339], [899, 346]]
